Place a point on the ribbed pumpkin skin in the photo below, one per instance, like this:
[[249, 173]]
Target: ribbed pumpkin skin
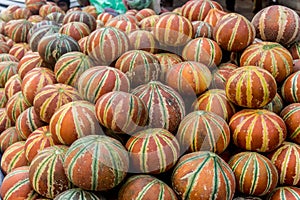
[[34, 5], [202, 29], [213, 16], [215, 100], [105, 45], [291, 115], [28, 62], [104, 17], [7, 70], [76, 30], [96, 162], [289, 89], [77, 193], [8, 137], [203, 50], [16, 105], [285, 158], [52, 97], [8, 57], [269, 27], [4, 47], [142, 14], [143, 40], [35, 80], [19, 50], [121, 112], [255, 174], [140, 67], [5, 121], [12, 86], [99, 80], [271, 56], [145, 187], [153, 151], [57, 17], [18, 30], [16, 185], [165, 106], [123, 25], [189, 77], [148, 23], [276, 105], [80, 16], [38, 140], [166, 61], [173, 30], [22, 13], [202, 130], [203, 175], [49, 8], [3, 98], [70, 66], [285, 193], [35, 19], [294, 49], [53, 46], [46, 171], [234, 32], [40, 25], [257, 130], [13, 157], [250, 87]]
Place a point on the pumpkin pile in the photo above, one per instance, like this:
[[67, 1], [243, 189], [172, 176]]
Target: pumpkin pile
[[196, 103]]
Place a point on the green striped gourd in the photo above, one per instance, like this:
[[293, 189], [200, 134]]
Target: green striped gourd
[[3, 98], [255, 174], [276, 105], [121, 112], [257, 130], [149, 22], [105, 45], [124, 25], [16, 105], [38, 25], [13, 157], [143, 13], [213, 16], [165, 105], [91, 10], [250, 87], [5, 121], [104, 17], [38, 140], [46, 171], [76, 30], [7, 70], [4, 47], [19, 50], [70, 66], [22, 13], [271, 56], [57, 17], [99, 80], [215, 100], [289, 89], [74, 120], [34, 5], [16, 185], [80, 16], [203, 131], [166, 61], [52, 97], [8, 137], [13, 85], [18, 29], [101, 160], [294, 49], [8, 57], [143, 40], [290, 114], [78, 193], [285, 158], [202, 29], [269, 26], [49, 8], [145, 187], [28, 62], [285, 193], [203, 175], [153, 151], [234, 32]]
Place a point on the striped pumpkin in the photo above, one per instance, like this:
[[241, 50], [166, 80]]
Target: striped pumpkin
[[74, 120], [234, 32], [12, 86], [16, 105], [27, 122], [270, 27], [57, 17], [203, 131], [123, 25], [203, 50], [289, 89], [52, 97], [99, 80], [70, 66], [8, 137], [203, 175], [38, 140], [78, 193], [166, 61], [197, 10], [276, 105], [7, 70], [4, 48], [132, 12], [104, 17], [148, 23], [173, 30], [189, 78], [101, 160], [294, 49], [13, 157], [255, 174], [121, 112], [202, 29], [46, 171], [152, 151], [285, 158], [143, 13], [3, 98], [213, 16], [145, 187], [8, 57], [22, 13], [16, 185], [35, 19], [35, 80], [19, 50], [28, 62], [291, 115], [285, 193], [215, 100], [140, 67], [270, 56], [91, 10], [221, 74], [83, 44], [49, 8], [7, 14], [39, 25], [76, 30], [18, 30], [105, 45], [143, 40], [165, 106], [5, 121], [53, 46], [80, 16], [34, 5], [257, 130], [250, 87]]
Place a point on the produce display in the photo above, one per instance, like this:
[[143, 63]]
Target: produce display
[[196, 103]]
